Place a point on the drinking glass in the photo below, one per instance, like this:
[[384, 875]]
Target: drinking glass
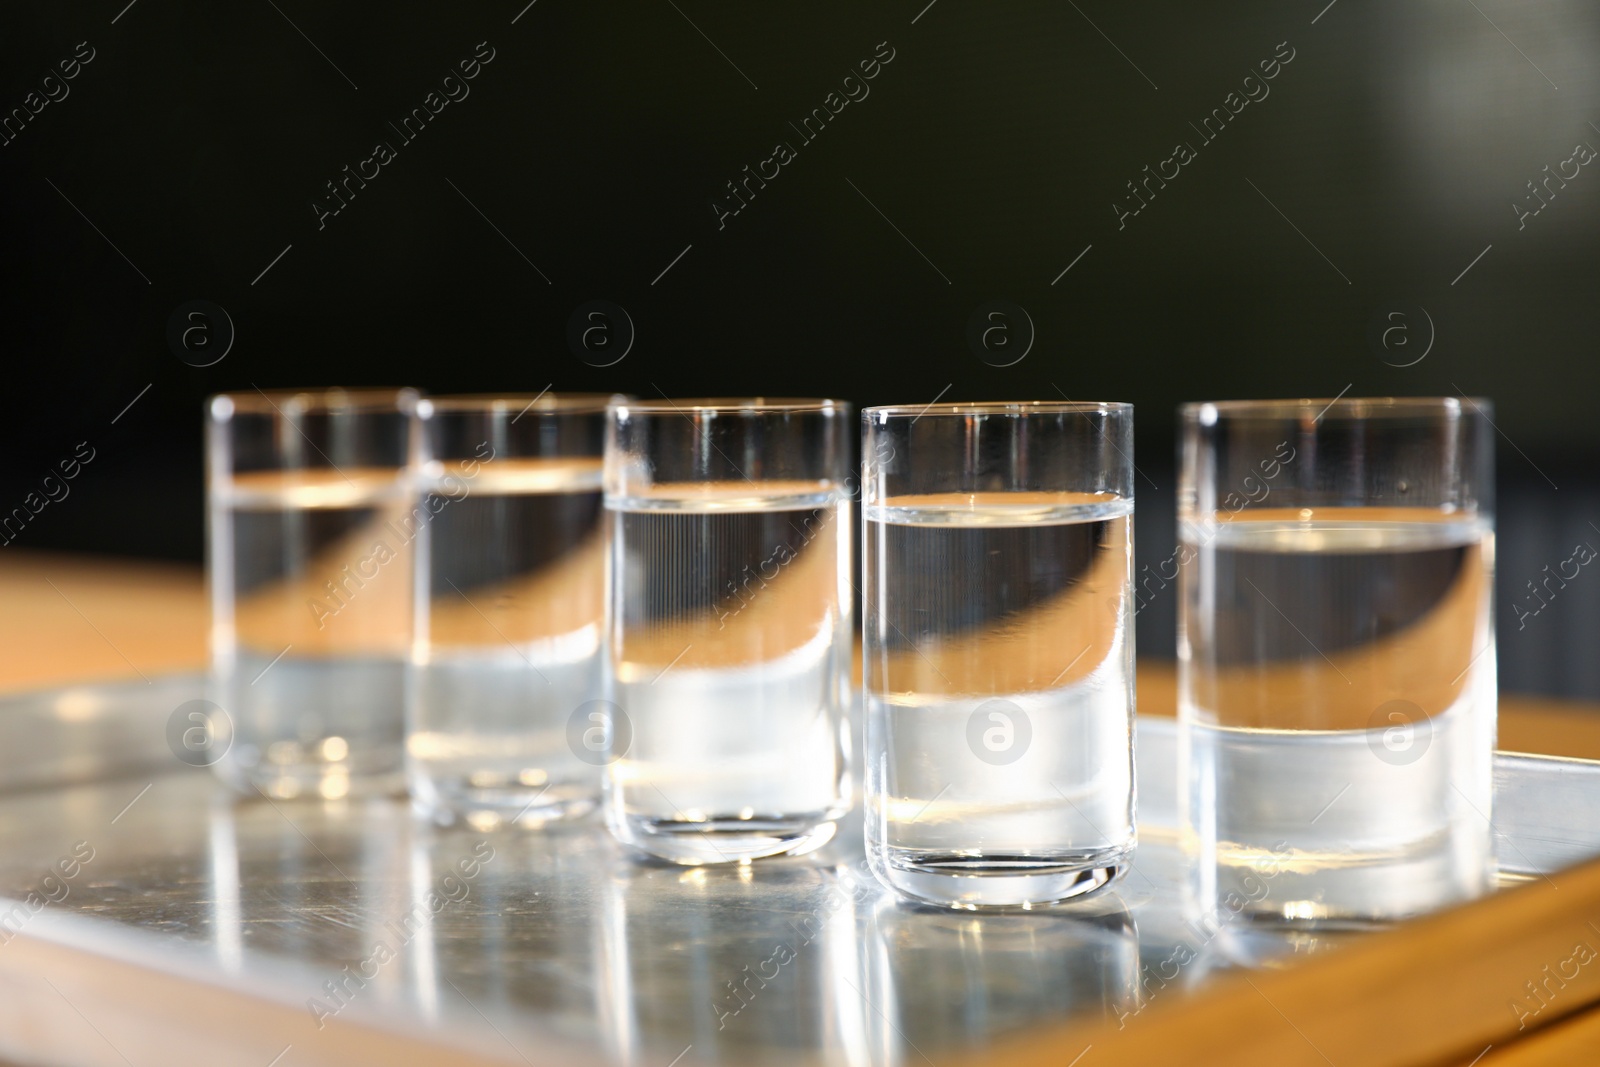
[[728, 612], [1336, 657], [310, 532], [509, 609], [998, 663]]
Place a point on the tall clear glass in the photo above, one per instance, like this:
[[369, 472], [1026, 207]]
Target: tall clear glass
[[509, 610], [728, 608], [998, 573], [1336, 655], [310, 555]]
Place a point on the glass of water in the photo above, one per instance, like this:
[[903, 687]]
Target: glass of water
[[510, 605], [311, 535], [728, 609], [1336, 655], [998, 571]]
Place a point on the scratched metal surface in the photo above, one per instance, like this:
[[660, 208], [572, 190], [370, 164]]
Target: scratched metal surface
[[553, 947]]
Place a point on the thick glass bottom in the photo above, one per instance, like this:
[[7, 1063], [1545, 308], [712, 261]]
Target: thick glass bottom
[[1308, 889], [976, 881], [723, 839], [456, 799], [314, 779]]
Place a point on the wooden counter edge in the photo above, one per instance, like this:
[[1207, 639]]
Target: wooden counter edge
[[1437, 990]]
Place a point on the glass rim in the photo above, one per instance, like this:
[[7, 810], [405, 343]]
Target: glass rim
[[361, 399], [546, 403], [1345, 407], [883, 412], [730, 405]]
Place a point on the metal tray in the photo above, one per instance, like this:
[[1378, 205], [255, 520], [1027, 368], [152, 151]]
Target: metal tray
[[148, 915]]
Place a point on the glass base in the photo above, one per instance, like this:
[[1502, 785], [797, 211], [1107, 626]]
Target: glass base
[[999, 881], [449, 801], [1308, 916], [1287, 888], [723, 839], [311, 781]]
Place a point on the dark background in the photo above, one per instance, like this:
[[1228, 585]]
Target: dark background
[[1389, 154]]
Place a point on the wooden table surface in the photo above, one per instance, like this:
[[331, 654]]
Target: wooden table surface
[[80, 618]]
